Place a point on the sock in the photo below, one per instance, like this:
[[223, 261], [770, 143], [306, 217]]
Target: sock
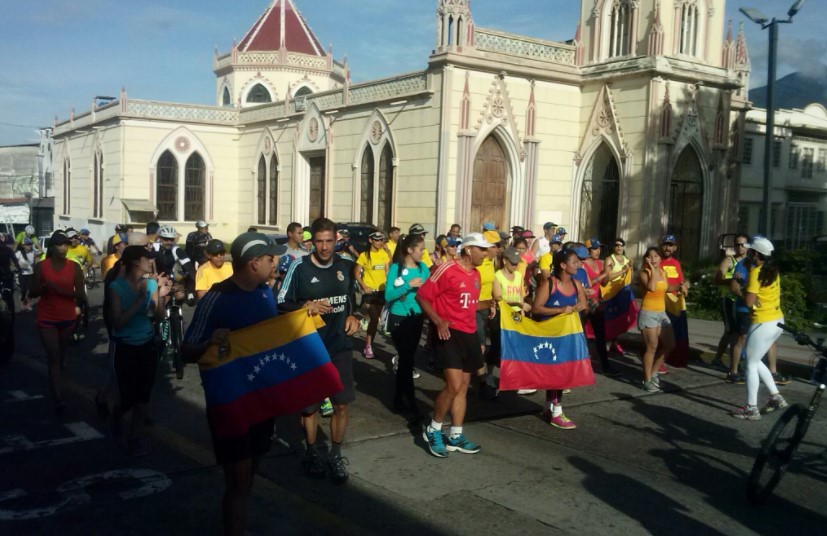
[[435, 426], [335, 449], [550, 405], [456, 431], [752, 407], [556, 411]]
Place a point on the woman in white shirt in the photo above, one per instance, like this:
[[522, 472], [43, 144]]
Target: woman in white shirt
[[26, 259]]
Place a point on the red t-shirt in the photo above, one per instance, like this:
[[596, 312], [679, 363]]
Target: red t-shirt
[[454, 292], [672, 267], [54, 307]]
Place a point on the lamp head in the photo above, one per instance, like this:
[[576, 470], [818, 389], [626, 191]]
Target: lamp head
[[795, 8], [754, 15]]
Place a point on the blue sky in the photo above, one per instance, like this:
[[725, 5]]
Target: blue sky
[[59, 54]]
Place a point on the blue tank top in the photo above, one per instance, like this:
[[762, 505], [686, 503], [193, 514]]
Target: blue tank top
[[556, 298]]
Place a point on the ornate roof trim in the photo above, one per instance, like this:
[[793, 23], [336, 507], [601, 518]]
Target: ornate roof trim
[[281, 26]]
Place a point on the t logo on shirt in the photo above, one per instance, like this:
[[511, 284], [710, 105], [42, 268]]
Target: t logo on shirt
[[464, 299]]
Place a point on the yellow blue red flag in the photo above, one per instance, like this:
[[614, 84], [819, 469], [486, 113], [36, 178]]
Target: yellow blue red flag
[[272, 368], [619, 307], [551, 354]]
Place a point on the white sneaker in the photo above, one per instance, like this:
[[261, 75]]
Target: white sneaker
[[415, 374], [395, 362], [526, 391]]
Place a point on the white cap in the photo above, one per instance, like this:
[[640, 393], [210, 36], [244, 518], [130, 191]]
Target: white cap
[[762, 246], [476, 239]]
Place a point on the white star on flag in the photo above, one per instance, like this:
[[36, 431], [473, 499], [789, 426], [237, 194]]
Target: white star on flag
[[257, 369], [251, 377], [293, 366]]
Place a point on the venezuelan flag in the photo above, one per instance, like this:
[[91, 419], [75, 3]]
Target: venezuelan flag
[[551, 354], [676, 311], [272, 368], [620, 309]]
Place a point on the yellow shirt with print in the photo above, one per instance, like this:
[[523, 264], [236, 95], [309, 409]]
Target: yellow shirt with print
[[80, 254], [208, 275], [107, 263], [374, 272], [767, 307], [486, 270]]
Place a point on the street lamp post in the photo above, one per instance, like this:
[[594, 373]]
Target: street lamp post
[[759, 18]]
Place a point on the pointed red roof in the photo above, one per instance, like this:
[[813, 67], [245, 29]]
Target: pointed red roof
[[281, 26]]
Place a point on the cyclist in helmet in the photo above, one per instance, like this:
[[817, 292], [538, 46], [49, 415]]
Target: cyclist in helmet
[[174, 262], [87, 241], [119, 229], [197, 240]]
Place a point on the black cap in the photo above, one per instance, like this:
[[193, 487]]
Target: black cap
[[251, 245], [215, 246]]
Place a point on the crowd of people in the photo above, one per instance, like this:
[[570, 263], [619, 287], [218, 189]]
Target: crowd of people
[[453, 296]]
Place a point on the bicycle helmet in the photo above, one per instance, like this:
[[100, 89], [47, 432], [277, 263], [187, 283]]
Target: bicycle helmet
[[167, 231], [200, 224], [29, 230]]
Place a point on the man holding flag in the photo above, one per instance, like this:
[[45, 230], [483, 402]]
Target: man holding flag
[[323, 283], [242, 300]]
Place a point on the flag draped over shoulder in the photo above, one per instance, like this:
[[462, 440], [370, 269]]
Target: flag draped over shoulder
[[551, 354], [676, 310], [275, 367], [619, 307]]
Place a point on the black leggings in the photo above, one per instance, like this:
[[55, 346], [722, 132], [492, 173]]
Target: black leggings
[[405, 332], [598, 326]]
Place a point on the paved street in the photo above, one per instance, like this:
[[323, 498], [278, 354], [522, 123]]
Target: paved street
[[666, 463]]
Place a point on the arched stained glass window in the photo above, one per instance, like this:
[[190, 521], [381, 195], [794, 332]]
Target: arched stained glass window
[[259, 94], [195, 188], [166, 195]]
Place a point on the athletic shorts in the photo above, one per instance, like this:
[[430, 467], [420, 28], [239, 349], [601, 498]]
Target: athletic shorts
[[135, 367], [343, 361], [651, 319], [482, 326], [57, 324], [254, 444], [729, 314], [461, 351]]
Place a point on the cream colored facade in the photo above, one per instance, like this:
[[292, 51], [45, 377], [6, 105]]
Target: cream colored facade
[[632, 129]]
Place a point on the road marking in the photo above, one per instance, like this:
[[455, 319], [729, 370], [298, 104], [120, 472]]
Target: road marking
[[80, 432], [21, 396]]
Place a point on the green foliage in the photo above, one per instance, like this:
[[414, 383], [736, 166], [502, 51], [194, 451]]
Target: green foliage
[[704, 294], [794, 301]]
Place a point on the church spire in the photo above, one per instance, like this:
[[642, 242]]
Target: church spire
[[281, 27], [455, 25]]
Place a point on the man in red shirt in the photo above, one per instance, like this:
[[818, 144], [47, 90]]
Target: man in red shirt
[[675, 303], [449, 299]]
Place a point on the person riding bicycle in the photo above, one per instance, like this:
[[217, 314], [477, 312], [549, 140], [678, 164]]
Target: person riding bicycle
[[77, 251], [196, 245], [87, 241], [174, 262], [29, 233]]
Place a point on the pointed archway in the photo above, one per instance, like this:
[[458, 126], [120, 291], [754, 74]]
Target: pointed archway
[[600, 196], [489, 189], [686, 202]]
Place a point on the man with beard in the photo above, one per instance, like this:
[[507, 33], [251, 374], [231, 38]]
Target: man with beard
[[675, 303]]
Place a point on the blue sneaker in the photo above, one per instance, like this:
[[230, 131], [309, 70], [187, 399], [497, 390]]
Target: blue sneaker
[[461, 444], [436, 443]]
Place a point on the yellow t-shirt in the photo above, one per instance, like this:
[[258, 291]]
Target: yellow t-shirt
[[80, 254], [545, 262], [512, 290], [391, 247], [767, 307], [208, 275], [486, 270], [375, 270], [426, 258], [107, 263]]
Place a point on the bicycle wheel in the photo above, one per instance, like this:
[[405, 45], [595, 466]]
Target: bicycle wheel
[[776, 454], [91, 278]]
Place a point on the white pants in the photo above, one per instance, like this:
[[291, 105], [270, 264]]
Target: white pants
[[759, 340]]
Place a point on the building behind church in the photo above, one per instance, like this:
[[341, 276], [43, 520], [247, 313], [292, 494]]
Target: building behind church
[[631, 129]]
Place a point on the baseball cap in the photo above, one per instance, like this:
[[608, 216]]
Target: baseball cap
[[668, 239], [85, 232], [561, 231], [557, 239], [528, 233], [71, 233], [581, 251], [594, 243], [453, 242], [285, 262], [417, 229], [134, 253], [762, 246], [517, 228], [307, 236], [215, 246], [58, 238], [512, 255], [489, 226], [504, 236], [549, 225], [251, 245], [476, 239], [119, 238], [492, 237]]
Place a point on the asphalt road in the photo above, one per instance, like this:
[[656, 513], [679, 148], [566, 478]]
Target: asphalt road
[[671, 463]]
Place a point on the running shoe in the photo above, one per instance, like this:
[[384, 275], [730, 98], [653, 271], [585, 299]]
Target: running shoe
[[656, 380], [780, 379], [369, 352], [313, 465], [137, 447], [737, 378], [650, 387], [562, 422], [663, 371], [775, 402], [748, 413], [327, 408], [461, 444], [337, 470], [416, 375], [616, 348], [526, 391], [395, 362], [436, 443]]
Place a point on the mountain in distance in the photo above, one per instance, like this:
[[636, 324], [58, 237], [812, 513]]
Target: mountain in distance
[[795, 90]]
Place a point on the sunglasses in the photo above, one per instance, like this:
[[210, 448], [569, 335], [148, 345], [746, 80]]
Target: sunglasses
[[741, 244]]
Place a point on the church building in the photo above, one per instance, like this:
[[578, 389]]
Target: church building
[[631, 129]]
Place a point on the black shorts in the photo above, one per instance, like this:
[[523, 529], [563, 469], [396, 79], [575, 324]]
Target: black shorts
[[729, 314], [135, 367], [343, 361], [482, 326], [743, 321], [254, 444], [461, 351]]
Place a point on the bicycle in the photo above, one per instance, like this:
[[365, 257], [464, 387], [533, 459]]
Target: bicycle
[[785, 437], [171, 331], [90, 278]]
